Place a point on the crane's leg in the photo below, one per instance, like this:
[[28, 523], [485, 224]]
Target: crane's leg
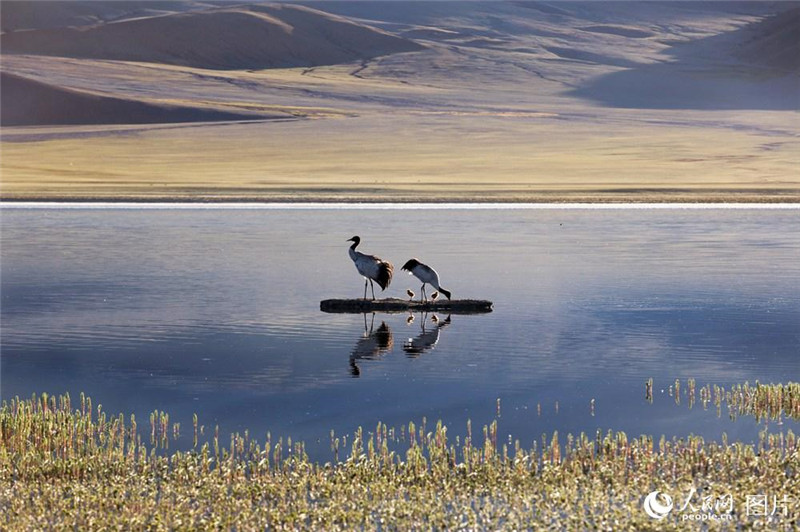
[[424, 297], [365, 288], [371, 285]]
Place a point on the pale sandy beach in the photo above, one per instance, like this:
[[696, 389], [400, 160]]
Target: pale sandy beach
[[403, 102]]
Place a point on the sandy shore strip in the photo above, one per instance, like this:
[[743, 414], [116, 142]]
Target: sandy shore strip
[[677, 198], [178, 206]]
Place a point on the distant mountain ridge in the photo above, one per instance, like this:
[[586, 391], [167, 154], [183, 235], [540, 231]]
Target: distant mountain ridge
[[42, 14], [255, 36]]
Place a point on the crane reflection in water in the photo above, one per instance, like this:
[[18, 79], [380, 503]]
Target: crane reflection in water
[[376, 342], [372, 345], [427, 338]]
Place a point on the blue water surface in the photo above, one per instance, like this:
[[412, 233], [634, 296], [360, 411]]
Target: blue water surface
[[216, 312]]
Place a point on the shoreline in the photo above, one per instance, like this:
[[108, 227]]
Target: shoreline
[[666, 197], [300, 206]]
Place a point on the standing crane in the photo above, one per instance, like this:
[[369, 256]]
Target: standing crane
[[371, 267], [426, 274]]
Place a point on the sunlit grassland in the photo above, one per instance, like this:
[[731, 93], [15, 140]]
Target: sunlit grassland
[[65, 465], [396, 158]]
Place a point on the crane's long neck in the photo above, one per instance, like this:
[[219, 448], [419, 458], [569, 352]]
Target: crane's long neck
[[352, 251]]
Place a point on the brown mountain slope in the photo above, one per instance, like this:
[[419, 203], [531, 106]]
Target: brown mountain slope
[[26, 102], [28, 15], [238, 37]]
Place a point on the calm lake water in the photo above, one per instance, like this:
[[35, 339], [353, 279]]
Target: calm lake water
[[216, 311]]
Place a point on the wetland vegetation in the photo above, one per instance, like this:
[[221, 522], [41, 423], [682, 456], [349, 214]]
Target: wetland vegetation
[[74, 466]]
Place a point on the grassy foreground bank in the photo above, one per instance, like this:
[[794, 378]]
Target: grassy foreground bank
[[73, 466]]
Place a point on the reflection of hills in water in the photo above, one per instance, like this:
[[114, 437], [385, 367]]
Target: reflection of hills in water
[[379, 341]]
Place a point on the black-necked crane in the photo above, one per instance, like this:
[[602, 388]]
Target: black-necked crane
[[426, 274], [371, 267]]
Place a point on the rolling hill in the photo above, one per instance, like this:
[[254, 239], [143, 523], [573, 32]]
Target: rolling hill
[[24, 101], [228, 38]]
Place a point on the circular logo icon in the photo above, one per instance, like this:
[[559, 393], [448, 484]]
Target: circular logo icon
[[657, 504]]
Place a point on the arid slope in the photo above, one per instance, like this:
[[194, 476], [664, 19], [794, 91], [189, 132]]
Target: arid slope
[[228, 38], [26, 102], [506, 101]]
